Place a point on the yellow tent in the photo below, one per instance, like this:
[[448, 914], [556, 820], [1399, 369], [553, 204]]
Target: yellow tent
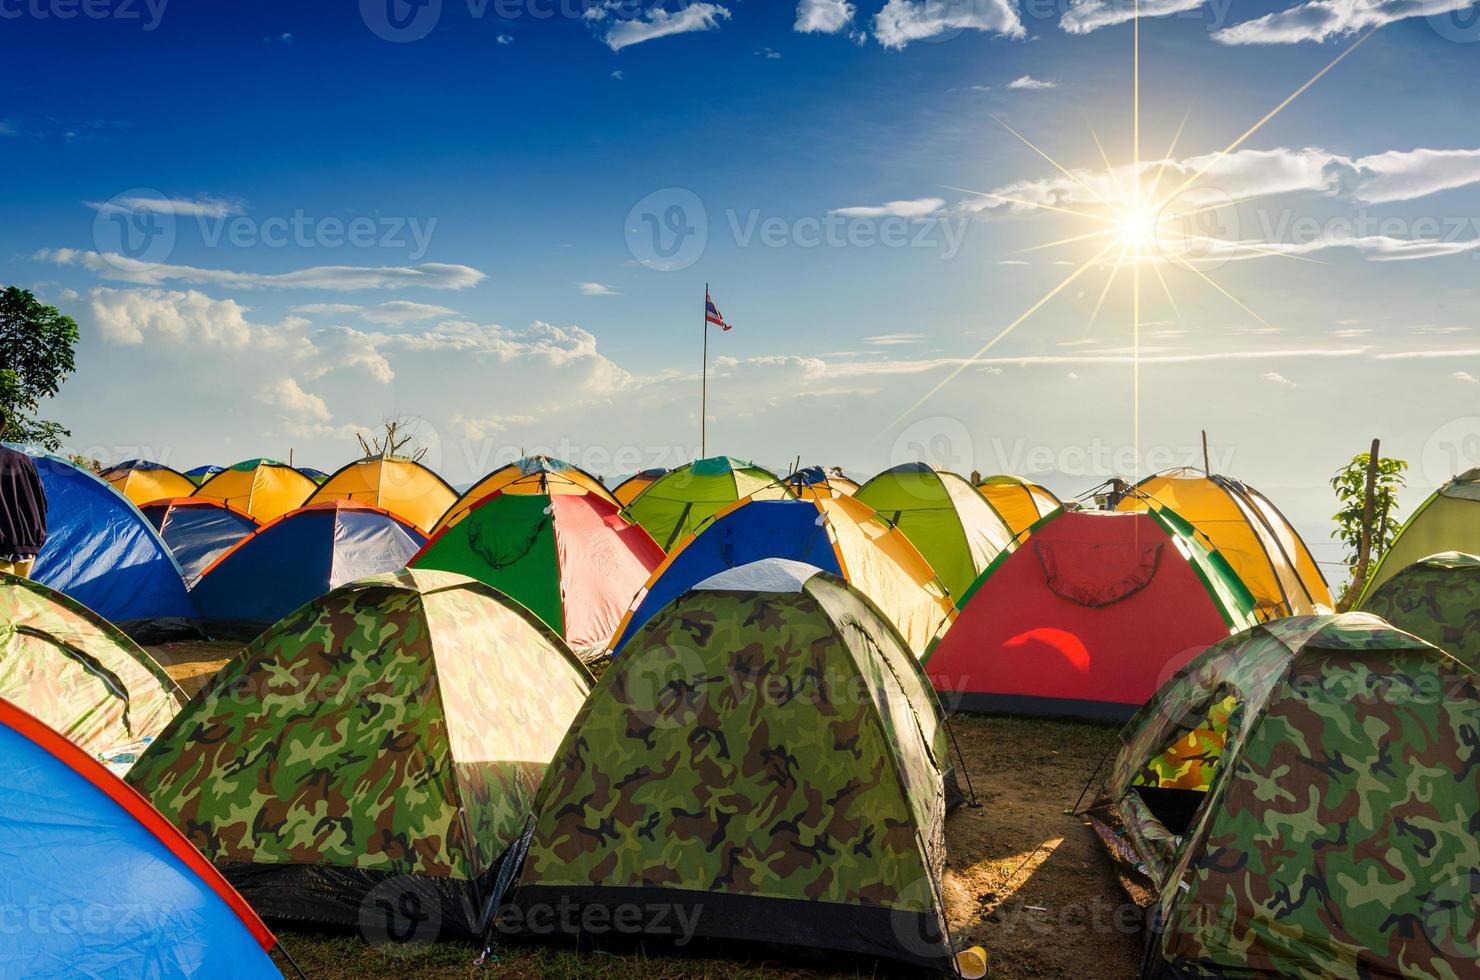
[[1021, 503], [1448, 521], [264, 488], [142, 481], [629, 489], [407, 489], [1242, 525], [529, 474]]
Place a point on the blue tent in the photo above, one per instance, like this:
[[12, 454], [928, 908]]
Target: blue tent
[[198, 530], [750, 532], [112, 888], [297, 558], [203, 473], [317, 476], [102, 552]]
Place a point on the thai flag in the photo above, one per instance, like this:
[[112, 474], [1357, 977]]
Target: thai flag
[[712, 314]]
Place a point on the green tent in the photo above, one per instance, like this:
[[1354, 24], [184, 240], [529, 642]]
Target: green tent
[[762, 764], [1436, 598], [81, 675], [674, 505], [376, 750], [1301, 800], [957, 530], [571, 558], [1448, 521]]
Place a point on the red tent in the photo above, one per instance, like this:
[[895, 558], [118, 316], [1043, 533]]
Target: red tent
[[1087, 618]]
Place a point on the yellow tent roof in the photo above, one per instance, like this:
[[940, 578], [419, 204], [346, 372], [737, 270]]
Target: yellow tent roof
[[1021, 503], [264, 488], [628, 489], [143, 482], [531, 474], [1263, 548], [405, 488]]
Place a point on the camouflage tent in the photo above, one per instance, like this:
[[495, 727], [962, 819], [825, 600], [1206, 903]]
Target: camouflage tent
[[79, 674], [1301, 800], [375, 751], [762, 764], [1437, 598]]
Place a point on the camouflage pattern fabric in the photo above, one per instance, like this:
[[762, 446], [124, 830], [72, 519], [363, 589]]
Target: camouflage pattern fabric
[[1189, 762], [1437, 599], [78, 673], [768, 745], [398, 724], [1340, 834]]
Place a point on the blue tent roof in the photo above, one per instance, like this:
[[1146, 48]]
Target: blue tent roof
[[79, 847], [102, 552], [202, 472], [297, 558], [198, 532], [760, 529]]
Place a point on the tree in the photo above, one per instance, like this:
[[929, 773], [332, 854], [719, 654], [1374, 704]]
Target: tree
[[1368, 495], [36, 351], [398, 440]]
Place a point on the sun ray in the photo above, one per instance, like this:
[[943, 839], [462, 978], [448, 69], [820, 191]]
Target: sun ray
[[1061, 168], [1103, 232], [1004, 332], [1109, 281], [1109, 167], [1165, 159], [1250, 247], [1031, 204], [1232, 298], [1171, 300]]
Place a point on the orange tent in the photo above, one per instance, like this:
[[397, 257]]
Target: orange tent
[[1021, 503], [529, 474], [264, 488], [142, 481], [403, 487]]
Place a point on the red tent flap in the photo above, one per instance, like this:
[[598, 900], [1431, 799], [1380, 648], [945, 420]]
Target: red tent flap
[[1095, 573]]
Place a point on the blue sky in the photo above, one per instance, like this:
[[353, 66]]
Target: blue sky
[[505, 175]]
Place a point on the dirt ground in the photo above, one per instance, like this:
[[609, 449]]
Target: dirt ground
[[1025, 879]]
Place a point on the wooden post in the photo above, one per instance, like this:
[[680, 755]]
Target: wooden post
[[1207, 467], [1364, 542]]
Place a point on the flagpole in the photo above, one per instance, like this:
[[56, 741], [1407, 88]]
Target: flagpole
[[704, 380]]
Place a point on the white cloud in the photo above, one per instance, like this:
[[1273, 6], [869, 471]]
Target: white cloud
[[770, 54], [1465, 377], [1274, 377], [618, 75], [478, 429], [894, 339], [1029, 83], [1323, 19], [429, 275], [286, 396], [1084, 16], [403, 311], [655, 22], [1013, 262], [316, 309], [504, 39], [903, 21], [183, 207], [919, 208], [823, 16], [595, 289]]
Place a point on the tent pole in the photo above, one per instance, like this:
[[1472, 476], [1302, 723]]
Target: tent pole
[[1207, 467], [704, 380]]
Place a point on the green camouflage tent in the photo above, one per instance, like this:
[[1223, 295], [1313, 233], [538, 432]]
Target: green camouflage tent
[[1303, 800], [674, 505], [1437, 598], [73, 670], [1448, 521], [763, 763], [374, 752], [957, 529]]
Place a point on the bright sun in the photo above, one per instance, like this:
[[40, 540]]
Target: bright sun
[[1139, 227]]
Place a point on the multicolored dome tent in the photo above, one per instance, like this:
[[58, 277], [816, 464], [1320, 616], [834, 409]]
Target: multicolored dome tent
[[1448, 521], [297, 557], [198, 531], [839, 535], [685, 784], [79, 674], [677, 503], [407, 784], [1088, 617], [102, 552], [1436, 599], [628, 490], [200, 474], [264, 488], [815, 482], [317, 476], [544, 475], [1297, 802], [1020, 502], [142, 481], [74, 841], [1249, 532], [405, 488], [571, 559], [948, 519]]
